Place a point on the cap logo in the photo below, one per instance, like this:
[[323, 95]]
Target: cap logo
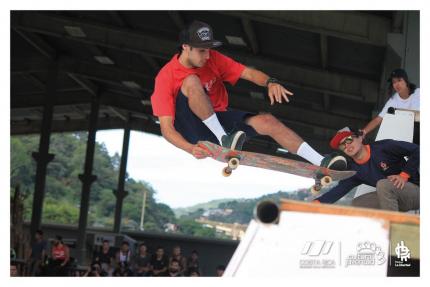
[[204, 34]]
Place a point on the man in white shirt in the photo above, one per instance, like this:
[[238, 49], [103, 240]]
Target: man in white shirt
[[406, 96]]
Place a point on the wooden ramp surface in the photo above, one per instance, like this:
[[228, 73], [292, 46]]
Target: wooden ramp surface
[[390, 216]]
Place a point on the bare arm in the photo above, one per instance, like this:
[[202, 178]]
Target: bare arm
[[275, 90], [372, 125], [174, 137], [255, 76]]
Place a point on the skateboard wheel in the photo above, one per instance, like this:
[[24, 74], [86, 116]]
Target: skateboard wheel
[[233, 163], [226, 171], [326, 180], [315, 189]]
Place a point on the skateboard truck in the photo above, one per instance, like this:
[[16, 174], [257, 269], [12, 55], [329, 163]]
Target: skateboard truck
[[321, 182], [232, 164]]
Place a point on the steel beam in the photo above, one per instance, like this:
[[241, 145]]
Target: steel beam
[[33, 127], [86, 84], [250, 33], [37, 42], [131, 41], [120, 193], [87, 179], [352, 26]]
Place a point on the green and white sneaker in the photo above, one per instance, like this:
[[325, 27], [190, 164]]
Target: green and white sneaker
[[234, 140], [334, 161]]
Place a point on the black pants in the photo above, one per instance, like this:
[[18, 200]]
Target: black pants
[[55, 268], [193, 129]]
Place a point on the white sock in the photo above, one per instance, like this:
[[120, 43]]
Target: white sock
[[214, 125], [308, 153]]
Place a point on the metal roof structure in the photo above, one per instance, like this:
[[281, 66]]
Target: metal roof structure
[[335, 62]]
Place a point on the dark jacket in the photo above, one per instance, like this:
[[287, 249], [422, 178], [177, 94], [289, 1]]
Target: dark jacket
[[386, 158]]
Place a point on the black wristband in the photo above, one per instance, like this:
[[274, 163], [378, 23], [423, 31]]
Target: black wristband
[[271, 80]]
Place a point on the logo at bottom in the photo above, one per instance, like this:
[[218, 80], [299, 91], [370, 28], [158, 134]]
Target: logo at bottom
[[367, 254], [403, 253], [318, 254]]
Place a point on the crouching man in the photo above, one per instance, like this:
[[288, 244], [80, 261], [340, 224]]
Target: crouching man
[[381, 164]]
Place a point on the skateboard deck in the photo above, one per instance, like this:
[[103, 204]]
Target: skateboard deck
[[323, 176]]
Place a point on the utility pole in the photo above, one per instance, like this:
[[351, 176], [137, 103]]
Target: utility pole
[[142, 215]]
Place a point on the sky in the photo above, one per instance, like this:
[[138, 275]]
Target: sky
[[180, 180]]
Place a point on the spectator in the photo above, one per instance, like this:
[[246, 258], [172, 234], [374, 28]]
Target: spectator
[[142, 262], [105, 257], [194, 272], [59, 257], [38, 253], [159, 263], [13, 270], [193, 262], [174, 269], [381, 164], [220, 270], [403, 94], [176, 254], [124, 256]]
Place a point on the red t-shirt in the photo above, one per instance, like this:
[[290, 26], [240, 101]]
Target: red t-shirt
[[218, 69], [59, 252]]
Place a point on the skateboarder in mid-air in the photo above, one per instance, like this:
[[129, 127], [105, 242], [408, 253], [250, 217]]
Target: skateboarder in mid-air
[[191, 101]]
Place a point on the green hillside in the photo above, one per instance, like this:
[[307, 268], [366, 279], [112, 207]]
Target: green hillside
[[205, 206], [63, 188], [241, 210]]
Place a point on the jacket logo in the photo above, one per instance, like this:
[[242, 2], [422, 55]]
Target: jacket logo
[[383, 165]]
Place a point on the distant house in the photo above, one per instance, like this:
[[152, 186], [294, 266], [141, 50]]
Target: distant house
[[170, 227]]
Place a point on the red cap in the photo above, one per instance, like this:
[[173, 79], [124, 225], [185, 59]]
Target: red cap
[[334, 143]]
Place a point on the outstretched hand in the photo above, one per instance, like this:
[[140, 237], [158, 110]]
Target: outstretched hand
[[277, 92], [198, 152]]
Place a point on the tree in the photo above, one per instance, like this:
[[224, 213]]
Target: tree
[[63, 188], [190, 227]]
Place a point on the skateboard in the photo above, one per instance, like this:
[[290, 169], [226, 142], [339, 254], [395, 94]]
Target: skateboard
[[322, 176]]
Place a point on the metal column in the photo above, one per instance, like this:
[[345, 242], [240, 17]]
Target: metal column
[[87, 179], [120, 193], [43, 157]]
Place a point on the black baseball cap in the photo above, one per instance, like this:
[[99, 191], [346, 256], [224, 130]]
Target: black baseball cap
[[199, 35], [398, 73]]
